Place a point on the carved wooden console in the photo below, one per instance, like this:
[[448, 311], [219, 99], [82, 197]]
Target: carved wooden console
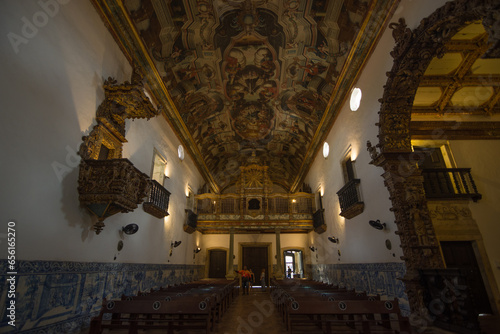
[[111, 186]]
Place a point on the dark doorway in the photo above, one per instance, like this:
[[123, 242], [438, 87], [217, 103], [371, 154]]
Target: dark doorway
[[437, 181], [217, 267], [255, 258], [460, 254], [429, 157]]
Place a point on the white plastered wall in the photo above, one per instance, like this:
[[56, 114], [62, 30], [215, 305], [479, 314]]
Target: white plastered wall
[[358, 241], [51, 86], [482, 157]]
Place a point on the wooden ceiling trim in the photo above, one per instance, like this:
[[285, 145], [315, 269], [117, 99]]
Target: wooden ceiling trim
[[492, 104], [469, 57], [468, 80], [486, 111], [452, 130]]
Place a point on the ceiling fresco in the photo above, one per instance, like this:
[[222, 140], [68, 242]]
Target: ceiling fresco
[[254, 77]]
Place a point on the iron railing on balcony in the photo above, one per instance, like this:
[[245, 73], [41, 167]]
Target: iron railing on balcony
[[157, 202], [449, 183], [350, 199]]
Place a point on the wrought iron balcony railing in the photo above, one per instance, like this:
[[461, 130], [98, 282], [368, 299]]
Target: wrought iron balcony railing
[[449, 183], [350, 199], [157, 202]]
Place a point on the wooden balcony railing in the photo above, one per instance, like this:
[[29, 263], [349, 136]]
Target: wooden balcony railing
[[218, 213], [350, 199], [319, 221], [157, 202], [235, 205], [450, 183]]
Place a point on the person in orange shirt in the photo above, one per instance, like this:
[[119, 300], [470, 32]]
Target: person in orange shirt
[[245, 278]]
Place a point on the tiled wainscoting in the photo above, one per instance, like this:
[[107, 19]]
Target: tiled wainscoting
[[61, 297], [373, 278]]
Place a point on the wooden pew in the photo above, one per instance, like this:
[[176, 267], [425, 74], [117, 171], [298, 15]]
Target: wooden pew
[[134, 315], [349, 316], [221, 294]]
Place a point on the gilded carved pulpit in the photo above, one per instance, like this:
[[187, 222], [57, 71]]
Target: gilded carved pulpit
[[107, 183]]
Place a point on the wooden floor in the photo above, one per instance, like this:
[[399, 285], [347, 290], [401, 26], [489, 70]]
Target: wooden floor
[[253, 313]]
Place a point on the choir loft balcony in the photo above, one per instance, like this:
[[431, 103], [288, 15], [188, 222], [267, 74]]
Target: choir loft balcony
[[255, 213], [450, 183]]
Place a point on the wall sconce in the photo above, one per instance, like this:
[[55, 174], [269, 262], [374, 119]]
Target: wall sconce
[[196, 251], [333, 239], [130, 229], [312, 248], [377, 224]]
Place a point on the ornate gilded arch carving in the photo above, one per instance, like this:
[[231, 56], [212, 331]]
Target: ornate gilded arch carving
[[412, 54]]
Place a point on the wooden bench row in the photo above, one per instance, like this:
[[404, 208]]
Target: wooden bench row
[[167, 309], [307, 307]]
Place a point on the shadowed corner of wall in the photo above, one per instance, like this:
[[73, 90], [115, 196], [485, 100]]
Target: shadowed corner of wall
[[75, 214]]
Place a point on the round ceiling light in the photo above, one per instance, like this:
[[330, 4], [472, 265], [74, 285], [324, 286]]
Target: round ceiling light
[[326, 150], [180, 152], [355, 99]]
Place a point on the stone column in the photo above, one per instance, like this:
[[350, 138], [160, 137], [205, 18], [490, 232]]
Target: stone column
[[230, 274], [416, 232], [279, 270]]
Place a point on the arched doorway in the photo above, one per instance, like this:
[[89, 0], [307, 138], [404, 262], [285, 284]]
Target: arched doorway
[[413, 52]]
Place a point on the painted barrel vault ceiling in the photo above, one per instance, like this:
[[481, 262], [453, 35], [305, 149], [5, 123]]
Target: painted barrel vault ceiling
[[262, 81]]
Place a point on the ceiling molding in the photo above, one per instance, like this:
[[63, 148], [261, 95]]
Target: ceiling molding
[[452, 130]]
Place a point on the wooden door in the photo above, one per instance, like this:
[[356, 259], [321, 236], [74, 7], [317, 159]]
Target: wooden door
[[255, 258], [217, 268], [460, 254]]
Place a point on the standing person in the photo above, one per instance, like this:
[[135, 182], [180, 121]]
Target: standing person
[[252, 278], [263, 279], [289, 272], [245, 278]]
